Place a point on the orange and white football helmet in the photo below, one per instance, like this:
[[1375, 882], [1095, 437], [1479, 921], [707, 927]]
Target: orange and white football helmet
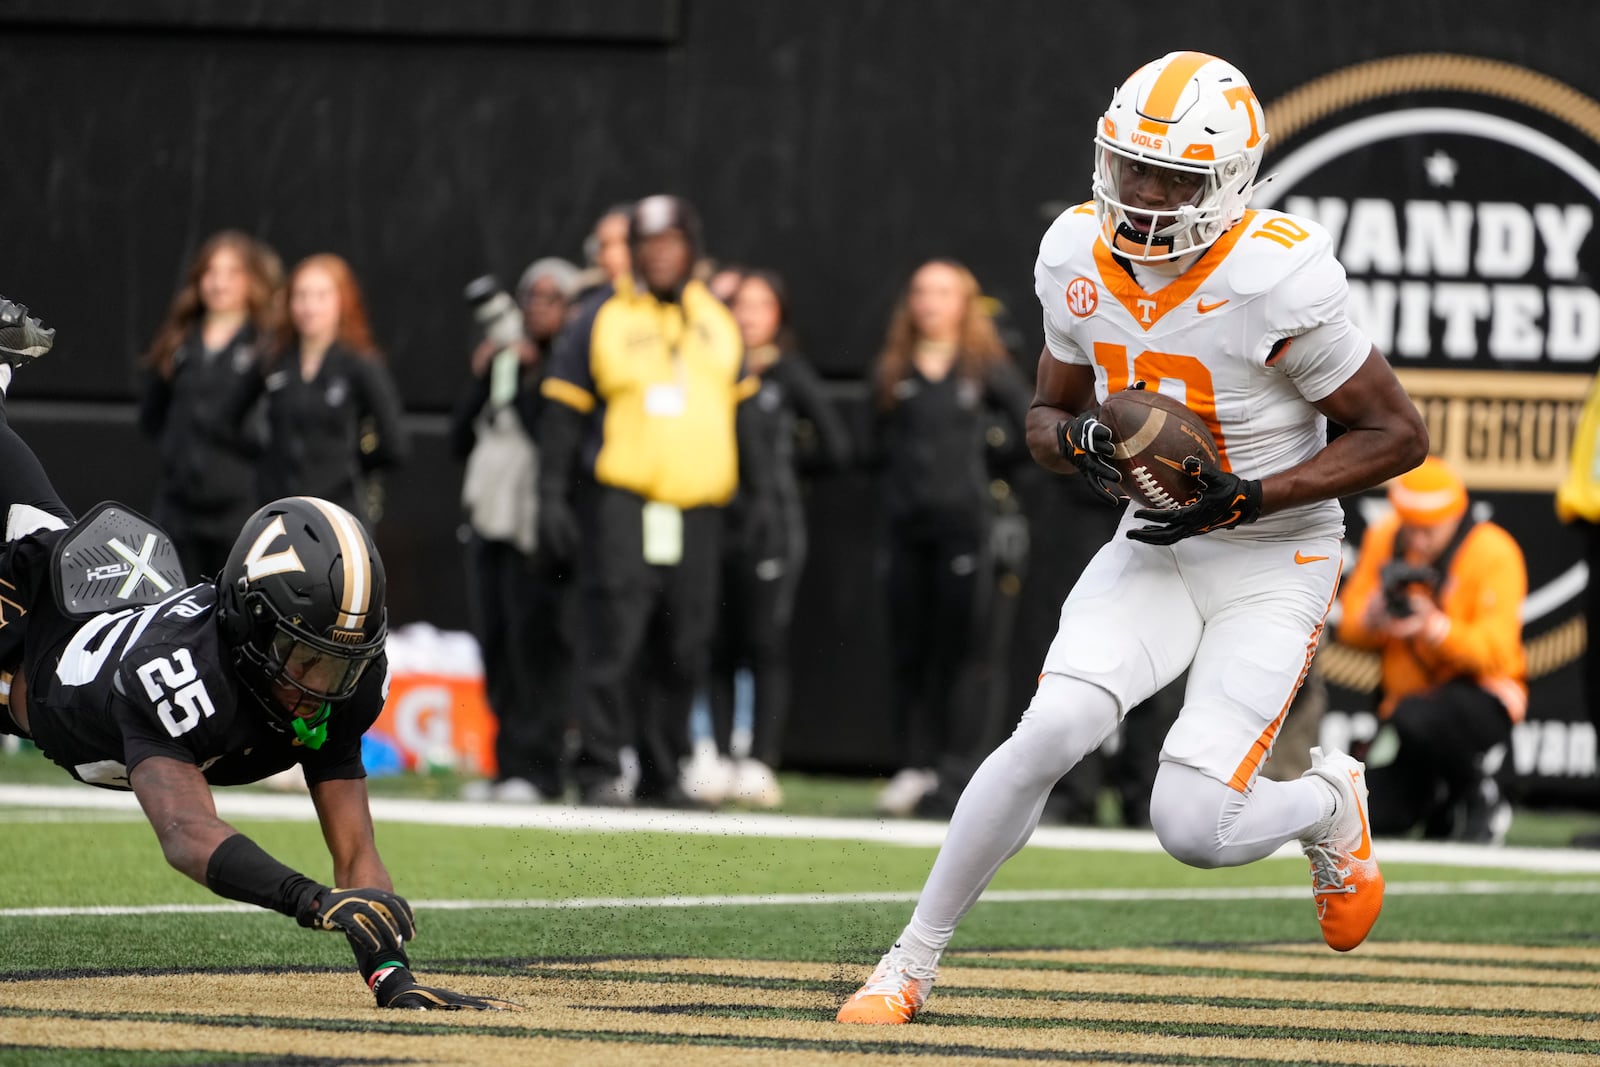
[[1188, 112]]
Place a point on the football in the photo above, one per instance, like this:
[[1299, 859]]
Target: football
[[1151, 435]]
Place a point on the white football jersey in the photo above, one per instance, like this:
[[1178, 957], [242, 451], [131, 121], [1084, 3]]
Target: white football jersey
[[1210, 337]]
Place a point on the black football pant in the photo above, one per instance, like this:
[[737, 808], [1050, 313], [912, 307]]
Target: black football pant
[[522, 625], [24, 564], [753, 625], [645, 635], [1443, 733], [938, 575]]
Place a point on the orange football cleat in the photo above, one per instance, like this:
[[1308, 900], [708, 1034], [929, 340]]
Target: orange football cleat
[[1345, 880], [893, 995]]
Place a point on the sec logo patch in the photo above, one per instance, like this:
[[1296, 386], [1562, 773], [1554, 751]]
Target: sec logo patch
[[1082, 297]]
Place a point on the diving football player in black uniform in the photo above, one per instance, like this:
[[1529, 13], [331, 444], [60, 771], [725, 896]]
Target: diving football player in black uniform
[[131, 679]]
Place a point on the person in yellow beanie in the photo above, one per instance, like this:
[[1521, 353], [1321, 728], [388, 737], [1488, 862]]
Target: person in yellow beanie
[[1440, 595]]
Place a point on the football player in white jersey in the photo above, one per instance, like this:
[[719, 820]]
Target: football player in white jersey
[[1166, 277]]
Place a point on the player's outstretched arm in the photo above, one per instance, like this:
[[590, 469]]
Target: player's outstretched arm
[[1384, 437], [177, 800], [346, 820]]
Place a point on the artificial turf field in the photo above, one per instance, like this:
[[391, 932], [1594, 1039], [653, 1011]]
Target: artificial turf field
[[652, 938]]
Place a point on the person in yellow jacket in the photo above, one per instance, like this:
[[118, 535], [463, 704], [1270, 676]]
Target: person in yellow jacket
[[1441, 596], [643, 443]]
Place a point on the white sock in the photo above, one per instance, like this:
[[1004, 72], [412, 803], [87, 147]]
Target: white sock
[[1000, 807], [5, 378]]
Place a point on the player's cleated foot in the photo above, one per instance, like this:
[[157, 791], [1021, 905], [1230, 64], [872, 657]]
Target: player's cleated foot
[[894, 994], [1345, 880], [22, 337]]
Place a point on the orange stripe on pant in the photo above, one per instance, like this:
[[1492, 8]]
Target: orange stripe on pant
[[1245, 773]]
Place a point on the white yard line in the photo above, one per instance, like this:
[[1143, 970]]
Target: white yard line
[[918, 833], [996, 896]]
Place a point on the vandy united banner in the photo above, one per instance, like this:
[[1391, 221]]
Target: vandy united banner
[[1462, 200]]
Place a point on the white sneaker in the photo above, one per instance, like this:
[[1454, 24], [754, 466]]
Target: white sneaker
[[707, 776], [1345, 880], [517, 791], [477, 791], [893, 995], [900, 795], [756, 785]]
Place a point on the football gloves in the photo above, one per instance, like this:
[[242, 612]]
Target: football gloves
[[22, 337], [396, 987], [375, 921], [1085, 442], [1225, 501]]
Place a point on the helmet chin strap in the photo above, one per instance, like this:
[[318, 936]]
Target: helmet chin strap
[[312, 737]]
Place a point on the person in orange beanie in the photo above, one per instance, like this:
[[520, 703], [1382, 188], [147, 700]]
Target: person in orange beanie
[[1440, 595]]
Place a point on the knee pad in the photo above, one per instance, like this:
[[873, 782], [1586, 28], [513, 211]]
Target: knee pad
[[1068, 719], [1187, 810]]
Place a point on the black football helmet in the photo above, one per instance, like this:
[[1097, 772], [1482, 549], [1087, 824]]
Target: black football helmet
[[301, 604]]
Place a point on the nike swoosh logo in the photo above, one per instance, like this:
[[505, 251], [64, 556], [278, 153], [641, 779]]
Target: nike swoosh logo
[[1302, 560], [1205, 308], [1363, 851]]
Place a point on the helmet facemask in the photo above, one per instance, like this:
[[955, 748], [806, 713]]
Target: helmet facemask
[[1201, 120], [298, 676]]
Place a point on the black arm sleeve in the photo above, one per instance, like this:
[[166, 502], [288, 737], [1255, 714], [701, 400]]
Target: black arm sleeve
[[240, 869]]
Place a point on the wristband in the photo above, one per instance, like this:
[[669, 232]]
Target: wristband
[[240, 869]]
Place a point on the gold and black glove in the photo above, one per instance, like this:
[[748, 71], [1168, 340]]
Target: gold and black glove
[[396, 987], [1225, 501]]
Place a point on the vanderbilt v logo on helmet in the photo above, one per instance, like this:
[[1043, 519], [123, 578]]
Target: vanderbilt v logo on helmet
[[1187, 112], [301, 604]]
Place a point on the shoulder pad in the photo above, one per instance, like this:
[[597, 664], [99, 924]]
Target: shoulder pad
[[113, 558], [1275, 244], [1074, 231]]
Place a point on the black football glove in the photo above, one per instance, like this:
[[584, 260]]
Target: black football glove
[[1225, 501], [22, 337], [1085, 441], [396, 987], [375, 921]]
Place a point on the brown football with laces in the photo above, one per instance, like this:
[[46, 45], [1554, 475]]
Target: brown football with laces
[[1151, 435]]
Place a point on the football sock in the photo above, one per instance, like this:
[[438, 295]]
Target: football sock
[[1000, 807]]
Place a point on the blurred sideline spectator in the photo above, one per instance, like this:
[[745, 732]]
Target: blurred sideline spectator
[[517, 591], [230, 302], [941, 377], [606, 254], [333, 412], [647, 383], [1441, 596], [761, 573]]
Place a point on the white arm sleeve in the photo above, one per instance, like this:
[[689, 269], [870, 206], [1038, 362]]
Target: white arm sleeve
[[1056, 337]]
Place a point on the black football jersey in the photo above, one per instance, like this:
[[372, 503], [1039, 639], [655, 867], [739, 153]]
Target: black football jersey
[[156, 681]]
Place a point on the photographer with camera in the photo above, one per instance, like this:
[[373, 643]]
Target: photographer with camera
[[517, 589], [1440, 595]]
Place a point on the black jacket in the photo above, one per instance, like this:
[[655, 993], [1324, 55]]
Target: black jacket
[[208, 459], [326, 435]]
